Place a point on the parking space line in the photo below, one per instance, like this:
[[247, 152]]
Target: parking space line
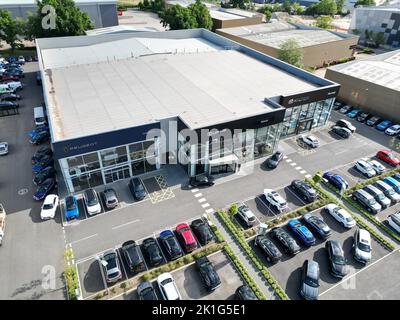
[[301, 200], [102, 274], [205, 205], [293, 164], [303, 171], [265, 205], [86, 238], [195, 190], [160, 247], [308, 176], [122, 263], [288, 160], [197, 195], [210, 210], [298, 168], [202, 200], [125, 224]]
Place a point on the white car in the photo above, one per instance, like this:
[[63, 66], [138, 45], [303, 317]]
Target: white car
[[92, 202], [49, 207], [365, 168], [275, 200], [341, 215], [21, 60], [246, 214], [3, 148], [394, 221], [362, 246], [168, 288], [393, 130], [377, 166], [310, 140], [15, 85]]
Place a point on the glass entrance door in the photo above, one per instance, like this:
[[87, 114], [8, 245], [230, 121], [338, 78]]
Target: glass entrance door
[[304, 126], [116, 174]]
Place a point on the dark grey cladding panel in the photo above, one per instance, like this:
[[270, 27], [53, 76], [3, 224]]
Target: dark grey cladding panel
[[308, 97], [73, 147], [109, 17]]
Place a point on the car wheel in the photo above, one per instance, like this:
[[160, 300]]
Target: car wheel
[[342, 223], [354, 198], [268, 259]]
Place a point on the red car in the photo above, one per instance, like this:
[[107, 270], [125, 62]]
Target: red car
[[388, 157], [186, 237], [8, 77]]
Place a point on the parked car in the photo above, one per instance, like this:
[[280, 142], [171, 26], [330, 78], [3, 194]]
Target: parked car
[[337, 262], [301, 232], [38, 130], [304, 190], [275, 200], [92, 202], [317, 225], [38, 78], [71, 208], [364, 116], [393, 130], [310, 141], [137, 189], [394, 221], [346, 124], [393, 183], [354, 113], [246, 214], [202, 231], [365, 168], [341, 132], [377, 166], [152, 252], [208, 274], [388, 157], [3, 148], [362, 246], [367, 201], [15, 85], [45, 173], [8, 105], [10, 97], [41, 137], [385, 124], [167, 286], [40, 153], [201, 181], [245, 293], [388, 191], [336, 180], [49, 207], [272, 253], [378, 195], [145, 291], [186, 237], [345, 109], [373, 121], [111, 266], [110, 198], [396, 176], [21, 60], [309, 288], [289, 244], [340, 215], [171, 245], [273, 161], [46, 161], [44, 189], [132, 256], [28, 59], [337, 105], [10, 76]]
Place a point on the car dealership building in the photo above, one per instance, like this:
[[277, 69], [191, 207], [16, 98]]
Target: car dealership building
[[121, 105]]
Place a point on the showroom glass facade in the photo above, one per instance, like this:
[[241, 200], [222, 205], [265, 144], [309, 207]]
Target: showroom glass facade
[[306, 117], [109, 165]]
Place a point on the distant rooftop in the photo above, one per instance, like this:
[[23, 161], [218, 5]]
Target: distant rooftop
[[383, 69], [34, 2], [118, 29], [273, 34]]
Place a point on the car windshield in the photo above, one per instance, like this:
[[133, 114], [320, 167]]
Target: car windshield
[[381, 196], [91, 198], [48, 206], [311, 282], [339, 260], [70, 204], [111, 261], [372, 202], [275, 157], [173, 244], [2, 147], [349, 219], [43, 188], [166, 281], [364, 247]]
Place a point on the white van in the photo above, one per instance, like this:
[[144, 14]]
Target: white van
[[394, 221], [38, 114]]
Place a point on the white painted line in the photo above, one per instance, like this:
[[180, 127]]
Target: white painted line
[[303, 171], [86, 238], [293, 164], [205, 205], [202, 200], [197, 195], [125, 224], [266, 206], [211, 210], [288, 160], [195, 190], [284, 157], [308, 175], [298, 168], [294, 194], [102, 275], [122, 263]]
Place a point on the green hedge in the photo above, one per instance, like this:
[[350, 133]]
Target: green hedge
[[70, 275], [250, 253]]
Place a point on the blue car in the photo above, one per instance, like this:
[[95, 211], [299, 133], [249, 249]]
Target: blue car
[[397, 176], [71, 208], [335, 180], [353, 113], [393, 183], [302, 232], [43, 163], [382, 126], [44, 189], [34, 133]]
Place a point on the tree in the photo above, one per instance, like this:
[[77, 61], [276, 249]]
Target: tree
[[69, 20], [324, 22], [202, 15], [340, 6], [297, 8], [324, 7], [268, 14], [291, 52], [286, 7], [178, 17], [10, 29], [379, 39], [365, 3], [356, 32], [242, 4]]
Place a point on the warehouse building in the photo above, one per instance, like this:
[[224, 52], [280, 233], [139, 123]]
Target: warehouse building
[[372, 84], [103, 13], [320, 47], [121, 105]]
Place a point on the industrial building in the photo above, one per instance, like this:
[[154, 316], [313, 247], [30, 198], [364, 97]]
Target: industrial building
[[109, 96], [372, 84], [103, 13], [320, 47]]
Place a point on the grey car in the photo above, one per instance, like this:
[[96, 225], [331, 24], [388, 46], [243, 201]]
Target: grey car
[[309, 289], [3, 148], [110, 198], [146, 291]]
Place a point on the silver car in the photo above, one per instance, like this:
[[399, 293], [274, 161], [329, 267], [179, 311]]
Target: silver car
[[110, 198], [111, 266], [3, 148]]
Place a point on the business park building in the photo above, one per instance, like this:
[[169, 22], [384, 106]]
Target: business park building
[[121, 105]]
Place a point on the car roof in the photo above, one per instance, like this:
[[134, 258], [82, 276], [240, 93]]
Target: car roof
[[312, 269], [365, 236], [49, 198]]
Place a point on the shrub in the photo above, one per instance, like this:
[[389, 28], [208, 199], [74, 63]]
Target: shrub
[[146, 277], [233, 209]]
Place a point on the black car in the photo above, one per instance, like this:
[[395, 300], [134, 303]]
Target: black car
[[304, 190], [201, 181], [342, 132], [146, 291], [317, 226], [10, 97], [41, 137], [137, 189], [44, 161], [171, 245], [41, 153], [110, 198], [152, 252], [274, 160], [28, 59], [373, 121], [8, 104], [337, 105], [132, 256], [364, 116], [285, 239], [272, 253], [245, 293], [46, 173], [38, 78], [337, 261], [208, 274], [202, 231], [44, 189], [309, 288]]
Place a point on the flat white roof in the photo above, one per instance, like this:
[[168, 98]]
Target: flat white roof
[[383, 69], [34, 2]]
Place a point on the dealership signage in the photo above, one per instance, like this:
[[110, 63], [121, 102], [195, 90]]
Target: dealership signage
[[308, 97]]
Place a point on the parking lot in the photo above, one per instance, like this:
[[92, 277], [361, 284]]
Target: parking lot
[[288, 270]]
